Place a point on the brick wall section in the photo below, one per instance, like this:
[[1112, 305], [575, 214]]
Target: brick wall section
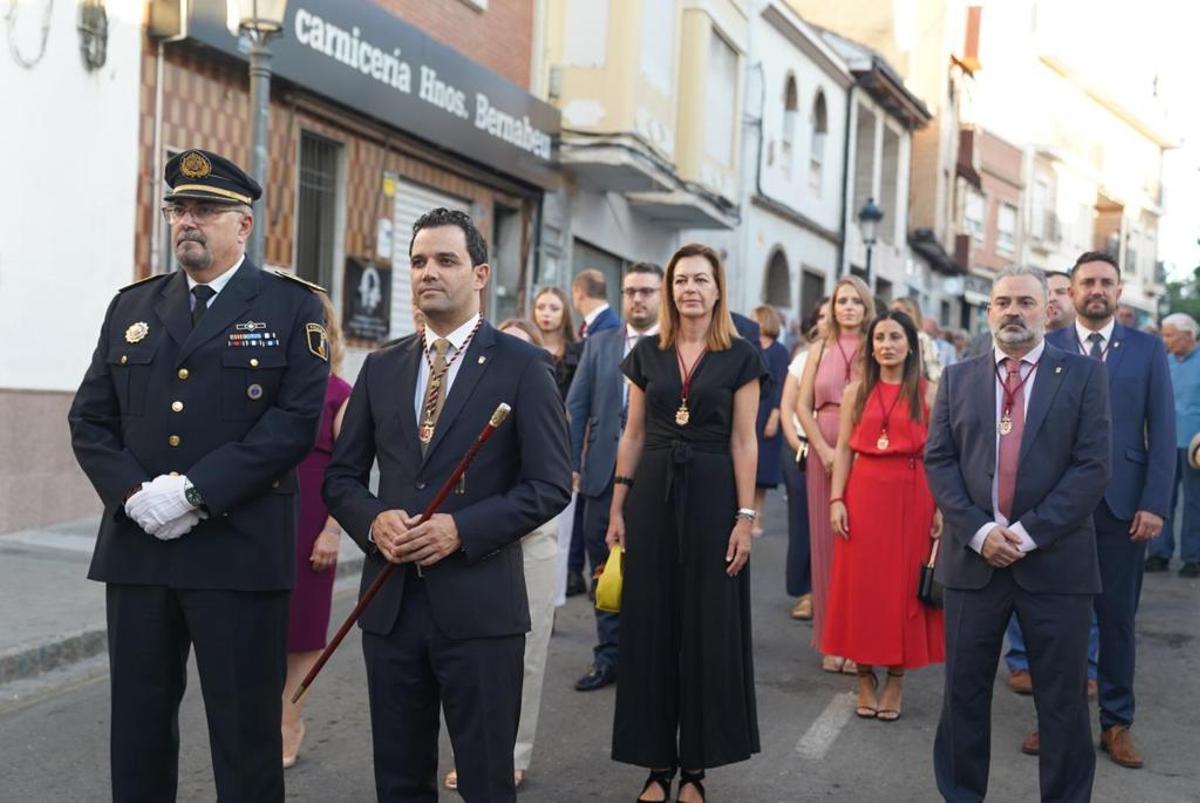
[[500, 38]]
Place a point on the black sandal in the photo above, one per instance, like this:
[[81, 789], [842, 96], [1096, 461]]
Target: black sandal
[[693, 778], [661, 777], [892, 714]]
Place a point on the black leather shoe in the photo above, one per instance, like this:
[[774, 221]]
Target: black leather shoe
[[596, 678], [575, 584], [1156, 564], [1190, 570]]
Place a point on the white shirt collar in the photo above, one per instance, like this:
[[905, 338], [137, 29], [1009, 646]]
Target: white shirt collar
[[1082, 332], [217, 284], [457, 338], [1032, 357], [594, 314], [633, 334]]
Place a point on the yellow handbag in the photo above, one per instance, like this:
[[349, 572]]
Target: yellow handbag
[[608, 588]]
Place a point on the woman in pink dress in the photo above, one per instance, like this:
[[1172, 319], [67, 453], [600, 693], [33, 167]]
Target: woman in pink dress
[[317, 537], [838, 362]]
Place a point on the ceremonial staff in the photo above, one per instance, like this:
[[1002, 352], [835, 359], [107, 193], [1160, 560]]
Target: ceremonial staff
[[492, 425]]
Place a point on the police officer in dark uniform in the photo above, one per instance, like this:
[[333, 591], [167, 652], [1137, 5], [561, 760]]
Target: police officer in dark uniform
[[204, 393]]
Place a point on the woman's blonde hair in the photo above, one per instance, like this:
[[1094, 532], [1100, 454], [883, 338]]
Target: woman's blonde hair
[[834, 330], [527, 326], [333, 329], [768, 320], [720, 329]]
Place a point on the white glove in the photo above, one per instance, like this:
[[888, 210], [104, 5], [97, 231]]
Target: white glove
[[180, 526], [160, 502]]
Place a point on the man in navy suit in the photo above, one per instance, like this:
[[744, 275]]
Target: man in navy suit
[[447, 630], [1137, 498], [597, 406], [589, 296], [1018, 541], [204, 392]]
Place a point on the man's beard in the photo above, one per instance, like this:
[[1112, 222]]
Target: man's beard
[[1018, 337], [190, 258], [1109, 310]]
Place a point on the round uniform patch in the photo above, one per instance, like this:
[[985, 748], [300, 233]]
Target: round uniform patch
[[254, 391], [195, 165]]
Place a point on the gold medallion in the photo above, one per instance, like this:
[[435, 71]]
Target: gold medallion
[[681, 415], [883, 442], [1005, 424], [426, 433], [137, 332]]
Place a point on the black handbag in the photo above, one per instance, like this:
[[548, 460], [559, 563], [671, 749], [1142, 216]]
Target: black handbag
[[929, 590]]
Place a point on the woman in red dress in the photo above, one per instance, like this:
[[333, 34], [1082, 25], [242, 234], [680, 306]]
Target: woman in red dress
[[885, 519]]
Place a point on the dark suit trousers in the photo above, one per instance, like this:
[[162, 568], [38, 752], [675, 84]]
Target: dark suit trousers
[[1056, 631], [1121, 563], [241, 642], [595, 527], [799, 556], [412, 672]]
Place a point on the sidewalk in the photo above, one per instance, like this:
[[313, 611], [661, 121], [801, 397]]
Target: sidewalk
[[51, 615]]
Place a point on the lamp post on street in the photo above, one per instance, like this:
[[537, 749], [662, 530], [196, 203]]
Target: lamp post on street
[[868, 227], [260, 20]]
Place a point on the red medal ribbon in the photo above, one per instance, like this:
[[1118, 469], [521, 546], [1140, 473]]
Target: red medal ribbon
[[686, 387], [887, 414], [846, 359], [1010, 396], [1086, 353]]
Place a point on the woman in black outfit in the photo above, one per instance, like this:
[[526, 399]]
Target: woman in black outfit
[[552, 314], [683, 509]]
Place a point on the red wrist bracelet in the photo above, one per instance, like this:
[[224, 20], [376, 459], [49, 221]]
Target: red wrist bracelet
[[835, 499]]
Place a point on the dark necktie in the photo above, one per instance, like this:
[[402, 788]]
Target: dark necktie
[[202, 293], [1010, 444], [1095, 338], [582, 329]]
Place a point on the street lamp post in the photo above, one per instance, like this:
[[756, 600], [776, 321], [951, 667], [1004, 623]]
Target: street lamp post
[[868, 227], [260, 20]]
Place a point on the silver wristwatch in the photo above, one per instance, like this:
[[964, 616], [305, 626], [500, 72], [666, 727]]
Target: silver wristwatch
[[747, 513]]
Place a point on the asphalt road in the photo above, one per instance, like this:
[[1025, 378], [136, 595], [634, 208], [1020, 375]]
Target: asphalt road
[[53, 746]]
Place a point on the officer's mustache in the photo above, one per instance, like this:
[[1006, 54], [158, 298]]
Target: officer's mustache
[[1013, 320], [190, 236]]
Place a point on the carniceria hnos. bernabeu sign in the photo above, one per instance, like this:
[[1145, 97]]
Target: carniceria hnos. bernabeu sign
[[364, 57]]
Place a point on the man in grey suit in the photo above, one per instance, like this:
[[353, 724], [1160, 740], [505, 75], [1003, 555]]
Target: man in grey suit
[[597, 405], [1018, 540]]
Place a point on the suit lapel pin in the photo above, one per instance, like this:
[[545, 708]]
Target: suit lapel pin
[[1058, 369], [1116, 344], [482, 359]]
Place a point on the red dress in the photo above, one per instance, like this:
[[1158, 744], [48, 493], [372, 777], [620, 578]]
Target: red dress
[[312, 596], [874, 616]]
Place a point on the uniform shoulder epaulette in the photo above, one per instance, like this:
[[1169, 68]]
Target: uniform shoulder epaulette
[[140, 282], [316, 288]]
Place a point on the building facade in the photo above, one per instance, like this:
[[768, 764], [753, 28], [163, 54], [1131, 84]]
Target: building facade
[[66, 234], [651, 96]]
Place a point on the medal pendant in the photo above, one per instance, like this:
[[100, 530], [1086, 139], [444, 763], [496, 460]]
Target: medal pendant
[[682, 416], [1005, 424], [426, 433], [883, 442]]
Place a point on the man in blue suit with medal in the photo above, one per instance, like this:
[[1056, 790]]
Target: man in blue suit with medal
[[1137, 498], [204, 393]]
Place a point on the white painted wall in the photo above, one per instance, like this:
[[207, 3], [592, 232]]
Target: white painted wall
[[67, 210], [607, 221]]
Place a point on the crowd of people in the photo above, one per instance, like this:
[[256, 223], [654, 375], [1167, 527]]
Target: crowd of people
[[1032, 466]]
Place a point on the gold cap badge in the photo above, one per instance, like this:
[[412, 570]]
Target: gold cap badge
[[137, 332], [195, 165]]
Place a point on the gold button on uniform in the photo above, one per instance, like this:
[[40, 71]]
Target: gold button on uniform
[[183, 373], [124, 359], [254, 362], [174, 440], [177, 406]]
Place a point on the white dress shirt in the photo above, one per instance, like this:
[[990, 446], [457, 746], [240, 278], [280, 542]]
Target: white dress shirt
[[590, 318], [1082, 333], [1028, 367], [632, 336], [217, 284], [458, 341]]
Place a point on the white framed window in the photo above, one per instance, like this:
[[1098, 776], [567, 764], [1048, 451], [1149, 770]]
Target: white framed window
[[791, 103], [973, 214], [722, 96], [1006, 229], [816, 146]]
